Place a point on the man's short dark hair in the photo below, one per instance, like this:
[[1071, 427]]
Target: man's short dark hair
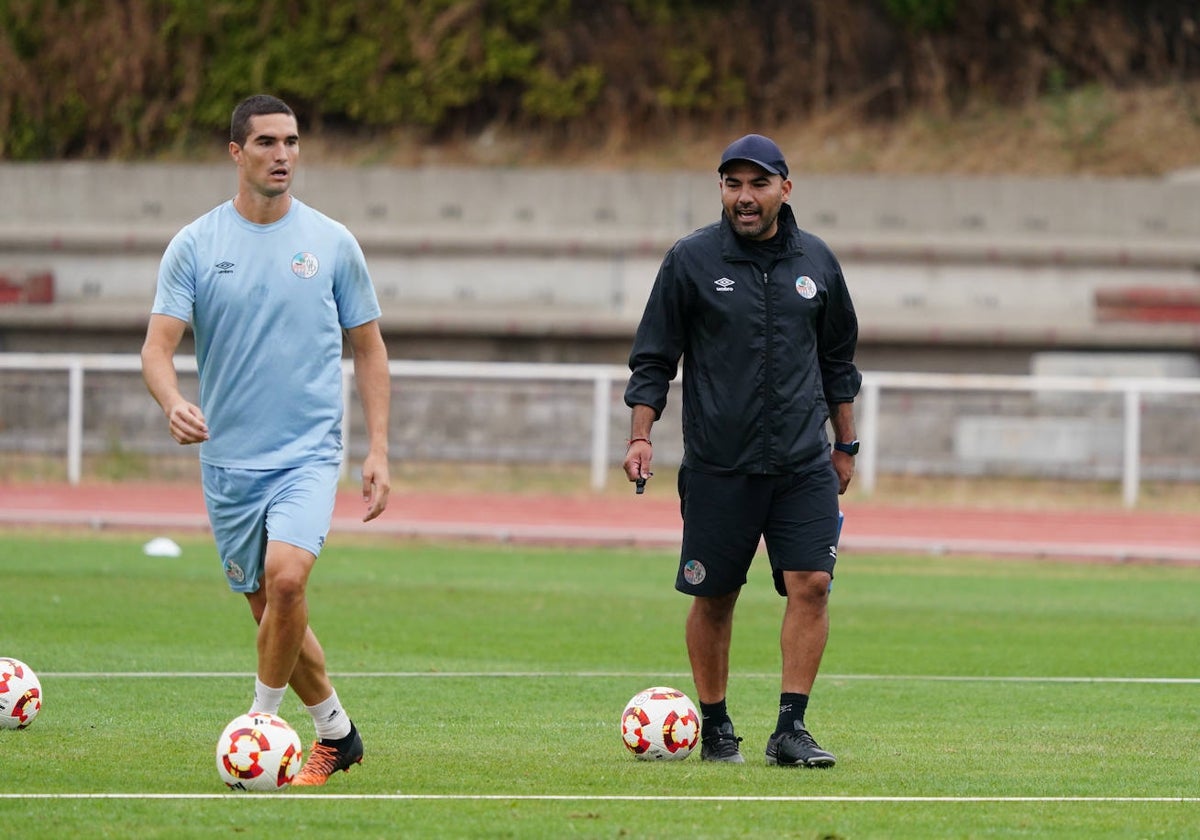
[[254, 106]]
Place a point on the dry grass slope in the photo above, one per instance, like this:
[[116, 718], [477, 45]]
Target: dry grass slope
[[1094, 132]]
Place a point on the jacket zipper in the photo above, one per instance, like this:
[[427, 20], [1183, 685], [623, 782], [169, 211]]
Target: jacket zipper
[[768, 373]]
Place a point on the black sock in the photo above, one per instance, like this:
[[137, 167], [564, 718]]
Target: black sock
[[712, 715], [791, 712]]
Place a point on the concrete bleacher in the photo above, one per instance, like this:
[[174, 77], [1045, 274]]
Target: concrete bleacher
[[1055, 277], [931, 260]]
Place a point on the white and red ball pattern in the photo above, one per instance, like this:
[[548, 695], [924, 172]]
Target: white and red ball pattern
[[20, 694], [258, 751], [660, 724]]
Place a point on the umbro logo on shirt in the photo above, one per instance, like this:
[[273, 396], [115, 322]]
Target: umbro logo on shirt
[[224, 267], [724, 285]]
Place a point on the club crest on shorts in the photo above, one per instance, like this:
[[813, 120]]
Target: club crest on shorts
[[234, 572], [806, 288], [305, 265], [694, 572]]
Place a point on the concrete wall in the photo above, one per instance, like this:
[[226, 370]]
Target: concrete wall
[[579, 205], [958, 274], [550, 255]]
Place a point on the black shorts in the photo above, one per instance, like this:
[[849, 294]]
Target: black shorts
[[726, 516]]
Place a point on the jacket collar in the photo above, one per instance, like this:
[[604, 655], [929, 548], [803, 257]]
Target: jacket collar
[[732, 248]]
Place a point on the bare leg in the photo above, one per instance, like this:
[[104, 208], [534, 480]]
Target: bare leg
[[709, 635], [288, 651], [805, 629]]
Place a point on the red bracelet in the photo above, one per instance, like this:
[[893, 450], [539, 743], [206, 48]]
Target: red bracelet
[[632, 441]]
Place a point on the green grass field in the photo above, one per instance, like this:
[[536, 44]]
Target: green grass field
[[964, 698]]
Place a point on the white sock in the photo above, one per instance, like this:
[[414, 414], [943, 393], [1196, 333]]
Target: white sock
[[330, 718], [267, 699]]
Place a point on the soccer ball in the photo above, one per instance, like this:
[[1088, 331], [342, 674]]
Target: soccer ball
[[660, 724], [258, 751], [20, 694]]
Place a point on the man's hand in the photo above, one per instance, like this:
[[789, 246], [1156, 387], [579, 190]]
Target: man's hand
[[187, 423], [637, 462], [843, 465], [376, 485]]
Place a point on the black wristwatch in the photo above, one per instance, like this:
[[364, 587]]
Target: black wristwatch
[[850, 448]]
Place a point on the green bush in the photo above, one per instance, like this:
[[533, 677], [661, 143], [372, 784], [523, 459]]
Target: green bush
[[130, 79]]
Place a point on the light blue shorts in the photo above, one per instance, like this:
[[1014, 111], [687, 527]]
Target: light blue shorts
[[246, 508]]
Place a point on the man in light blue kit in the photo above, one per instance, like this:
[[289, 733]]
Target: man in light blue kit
[[268, 285]]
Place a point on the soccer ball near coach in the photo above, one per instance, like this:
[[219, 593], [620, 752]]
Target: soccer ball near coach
[[660, 724], [20, 694], [260, 752]]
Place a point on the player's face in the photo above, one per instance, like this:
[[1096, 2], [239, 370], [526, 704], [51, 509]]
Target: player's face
[[752, 197], [268, 159]]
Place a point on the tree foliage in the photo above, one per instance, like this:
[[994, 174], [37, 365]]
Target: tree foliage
[[130, 78]]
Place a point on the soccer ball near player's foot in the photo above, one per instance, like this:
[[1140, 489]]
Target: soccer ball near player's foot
[[258, 751], [660, 724]]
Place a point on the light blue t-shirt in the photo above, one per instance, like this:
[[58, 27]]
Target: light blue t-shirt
[[268, 304]]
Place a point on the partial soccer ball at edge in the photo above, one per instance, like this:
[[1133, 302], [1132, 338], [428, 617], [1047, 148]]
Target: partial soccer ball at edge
[[660, 724], [258, 751], [20, 694]]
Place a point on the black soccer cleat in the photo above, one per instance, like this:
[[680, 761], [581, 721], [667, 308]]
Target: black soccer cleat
[[797, 749], [722, 745]]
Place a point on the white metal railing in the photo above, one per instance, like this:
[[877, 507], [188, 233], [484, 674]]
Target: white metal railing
[[603, 378], [1131, 390]]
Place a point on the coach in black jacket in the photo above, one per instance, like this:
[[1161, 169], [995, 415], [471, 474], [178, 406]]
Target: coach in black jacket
[[759, 311]]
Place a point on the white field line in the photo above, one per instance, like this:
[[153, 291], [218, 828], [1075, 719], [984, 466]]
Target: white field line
[[92, 675], [501, 797], [616, 797]]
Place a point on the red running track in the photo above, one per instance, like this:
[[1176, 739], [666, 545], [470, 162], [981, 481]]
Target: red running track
[[651, 520]]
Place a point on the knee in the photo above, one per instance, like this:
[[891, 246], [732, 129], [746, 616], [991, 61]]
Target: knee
[[811, 588], [286, 574], [715, 610], [285, 587]]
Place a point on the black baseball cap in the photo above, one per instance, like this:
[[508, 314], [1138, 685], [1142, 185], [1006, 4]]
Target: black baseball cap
[[758, 150]]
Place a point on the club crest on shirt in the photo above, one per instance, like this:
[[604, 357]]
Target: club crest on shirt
[[806, 288], [305, 265]]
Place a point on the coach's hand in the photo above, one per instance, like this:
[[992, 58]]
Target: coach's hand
[[637, 462], [843, 465]]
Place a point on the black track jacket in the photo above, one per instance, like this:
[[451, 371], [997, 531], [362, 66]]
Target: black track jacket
[[766, 349]]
